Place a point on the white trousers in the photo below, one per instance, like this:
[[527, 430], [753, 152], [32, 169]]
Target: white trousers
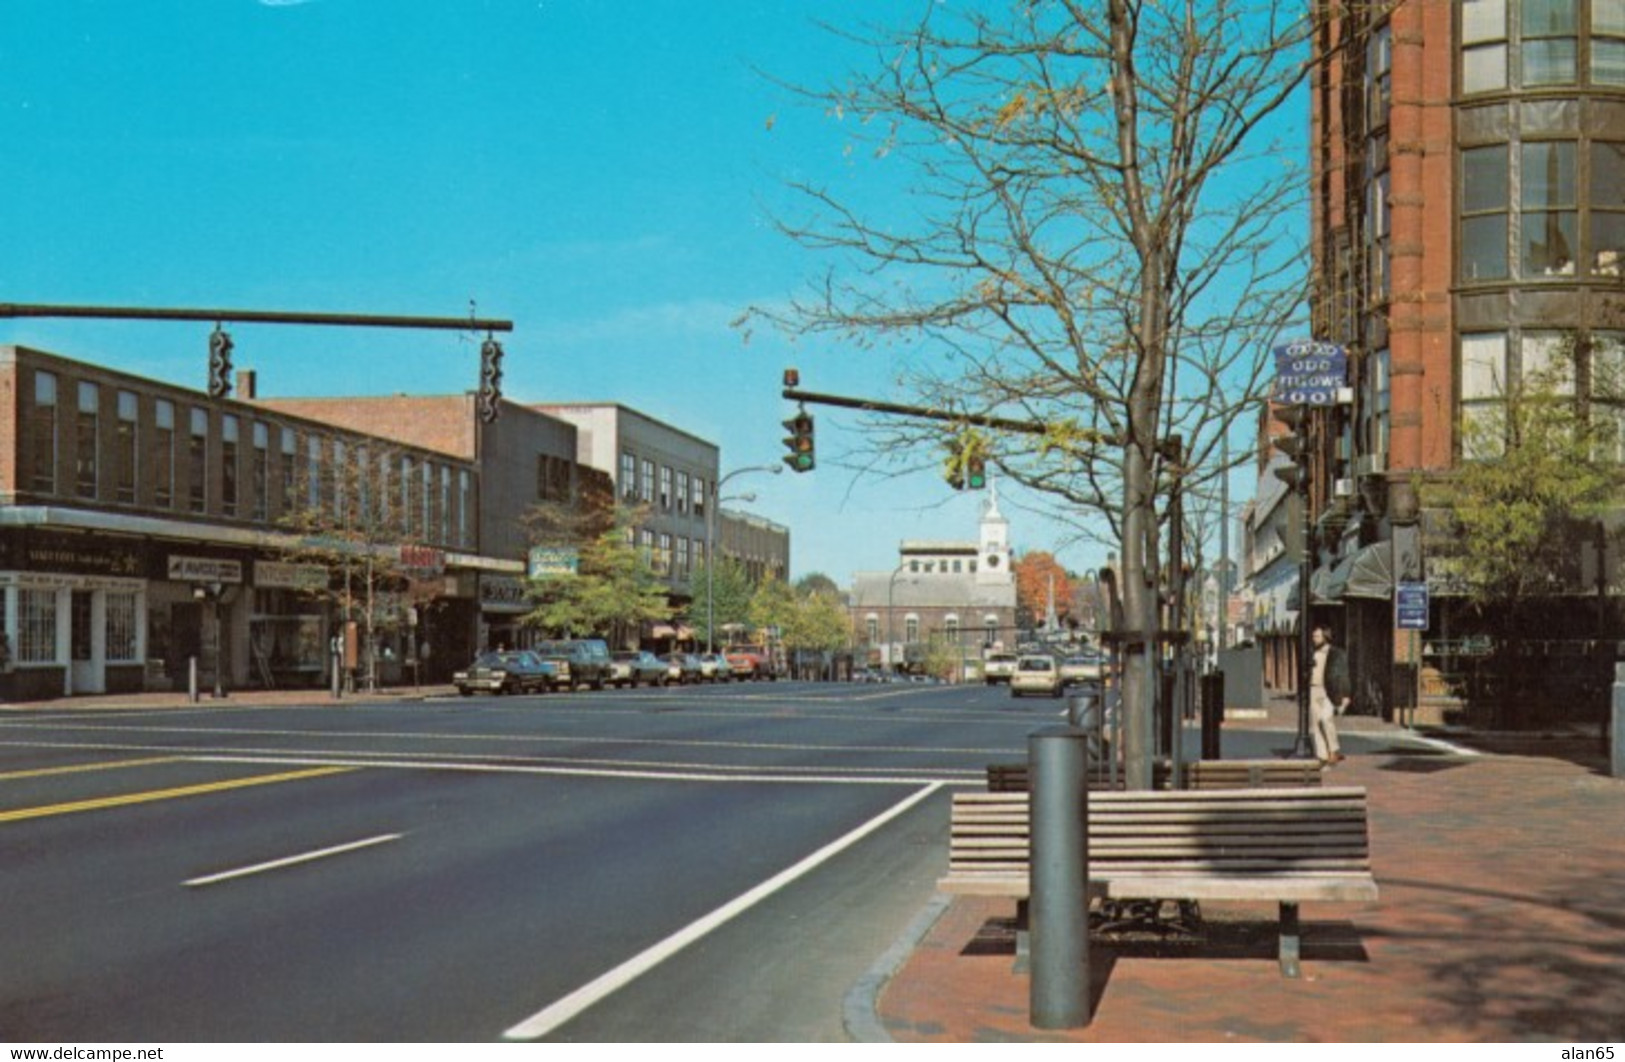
[[1322, 724]]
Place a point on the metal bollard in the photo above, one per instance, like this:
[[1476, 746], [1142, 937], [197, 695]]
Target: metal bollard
[[191, 679], [1616, 730], [1058, 763]]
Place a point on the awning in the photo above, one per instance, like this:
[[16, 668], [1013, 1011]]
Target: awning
[[1368, 573], [1321, 591]]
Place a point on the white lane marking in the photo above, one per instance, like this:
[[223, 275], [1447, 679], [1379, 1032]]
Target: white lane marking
[[293, 860], [551, 1017]]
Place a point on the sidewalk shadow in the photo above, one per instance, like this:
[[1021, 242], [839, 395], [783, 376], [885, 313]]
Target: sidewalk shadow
[[1218, 939]]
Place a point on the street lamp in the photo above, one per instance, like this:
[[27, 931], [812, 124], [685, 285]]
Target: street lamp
[[711, 549], [891, 616]]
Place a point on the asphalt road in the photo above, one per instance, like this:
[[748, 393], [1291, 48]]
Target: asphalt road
[[720, 863]]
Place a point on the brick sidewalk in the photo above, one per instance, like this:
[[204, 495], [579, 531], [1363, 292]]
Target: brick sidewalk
[[1502, 918]]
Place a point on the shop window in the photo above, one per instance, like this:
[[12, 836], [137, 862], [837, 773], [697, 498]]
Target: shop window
[[197, 456], [124, 455], [1550, 44], [36, 623], [1550, 218], [163, 453], [1484, 45], [44, 433], [1485, 211], [122, 641], [86, 428]]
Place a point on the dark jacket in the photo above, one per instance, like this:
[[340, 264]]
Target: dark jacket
[[1338, 685]]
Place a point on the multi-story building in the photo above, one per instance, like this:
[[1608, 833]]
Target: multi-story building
[[1468, 225], [143, 525], [960, 591]]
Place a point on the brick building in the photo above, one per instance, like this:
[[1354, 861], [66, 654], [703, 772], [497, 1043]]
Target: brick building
[[1468, 224], [142, 526]]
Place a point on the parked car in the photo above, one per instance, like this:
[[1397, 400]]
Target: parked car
[[751, 662], [636, 667], [998, 667], [714, 667], [682, 668], [586, 660], [1087, 666], [1036, 674], [510, 672]]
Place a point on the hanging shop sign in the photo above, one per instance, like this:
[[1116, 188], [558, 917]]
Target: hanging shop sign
[[204, 570]]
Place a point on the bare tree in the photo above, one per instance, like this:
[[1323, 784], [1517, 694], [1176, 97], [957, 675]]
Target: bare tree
[[1100, 235]]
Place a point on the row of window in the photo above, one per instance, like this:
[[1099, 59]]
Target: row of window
[[352, 483], [942, 566], [1540, 43], [37, 614], [672, 490], [911, 627], [670, 555], [1564, 218]]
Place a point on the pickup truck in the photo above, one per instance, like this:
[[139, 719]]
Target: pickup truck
[[751, 662]]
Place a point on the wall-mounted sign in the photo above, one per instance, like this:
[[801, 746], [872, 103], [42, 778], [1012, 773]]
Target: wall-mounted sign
[[553, 560], [279, 575], [423, 559], [204, 570], [1309, 372], [1411, 606]]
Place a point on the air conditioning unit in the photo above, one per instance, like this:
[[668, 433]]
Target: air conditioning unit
[[1343, 488], [1372, 464]]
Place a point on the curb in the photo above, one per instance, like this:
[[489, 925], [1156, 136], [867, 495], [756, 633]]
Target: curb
[[861, 1008]]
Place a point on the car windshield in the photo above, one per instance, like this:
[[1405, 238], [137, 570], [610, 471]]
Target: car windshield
[[1037, 663]]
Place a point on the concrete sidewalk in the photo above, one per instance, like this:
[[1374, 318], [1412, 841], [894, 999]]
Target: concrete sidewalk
[[1502, 918], [235, 699]]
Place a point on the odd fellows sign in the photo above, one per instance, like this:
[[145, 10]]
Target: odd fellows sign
[[1309, 373]]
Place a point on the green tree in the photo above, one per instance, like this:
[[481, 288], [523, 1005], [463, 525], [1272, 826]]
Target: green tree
[[728, 586], [613, 593], [1524, 498]]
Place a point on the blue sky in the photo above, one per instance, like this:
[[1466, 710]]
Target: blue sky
[[601, 172]]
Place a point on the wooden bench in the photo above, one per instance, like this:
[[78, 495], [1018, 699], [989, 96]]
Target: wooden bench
[[1285, 846], [1199, 774]]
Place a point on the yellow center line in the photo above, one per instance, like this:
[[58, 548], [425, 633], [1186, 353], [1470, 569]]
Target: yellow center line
[[19, 814], [78, 767]]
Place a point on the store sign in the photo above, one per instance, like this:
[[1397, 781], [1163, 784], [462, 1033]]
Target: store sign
[[45, 552], [553, 560], [423, 559], [278, 575], [1310, 373], [204, 570], [504, 592]]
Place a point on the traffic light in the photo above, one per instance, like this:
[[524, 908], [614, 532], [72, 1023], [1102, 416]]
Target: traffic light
[[1291, 444], [490, 400], [219, 363], [975, 470], [954, 469], [801, 457]]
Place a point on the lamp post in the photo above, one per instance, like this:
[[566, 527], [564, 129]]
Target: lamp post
[[711, 549], [891, 616]]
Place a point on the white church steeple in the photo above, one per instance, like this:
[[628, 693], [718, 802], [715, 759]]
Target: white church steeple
[[993, 565]]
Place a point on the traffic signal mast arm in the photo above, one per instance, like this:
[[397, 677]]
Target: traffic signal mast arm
[[979, 420]]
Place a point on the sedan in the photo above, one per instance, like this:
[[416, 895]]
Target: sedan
[[714, 668], [682, 668], [1036, 674], [634, 668], [1084, 667], [510, 672]]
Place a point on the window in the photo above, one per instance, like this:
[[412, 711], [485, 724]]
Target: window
[[163, 453], [1381, 229], [409, 484], [44, 433], [1484, 180], [121, 627], [340, 477], [313, 474], [911, 627], [197, 456], [1483, 383], [363, 487], [261, 474], [682, 492], [871, 625], [445, 504], [1607, 221], [1379, 78], [699, 497], [85, 431], [662, 563], [1550, 218], [646, 483], [228, 464], [1380, 402], [290, 452], [665, 488], [36, 622], [429, 517], [1484, 45], [465, 509], [682, 556], [1608, 394], [1546, 363], [124, 447], [1549, 43], [950, 624], [1608, 42], [629, 476]]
